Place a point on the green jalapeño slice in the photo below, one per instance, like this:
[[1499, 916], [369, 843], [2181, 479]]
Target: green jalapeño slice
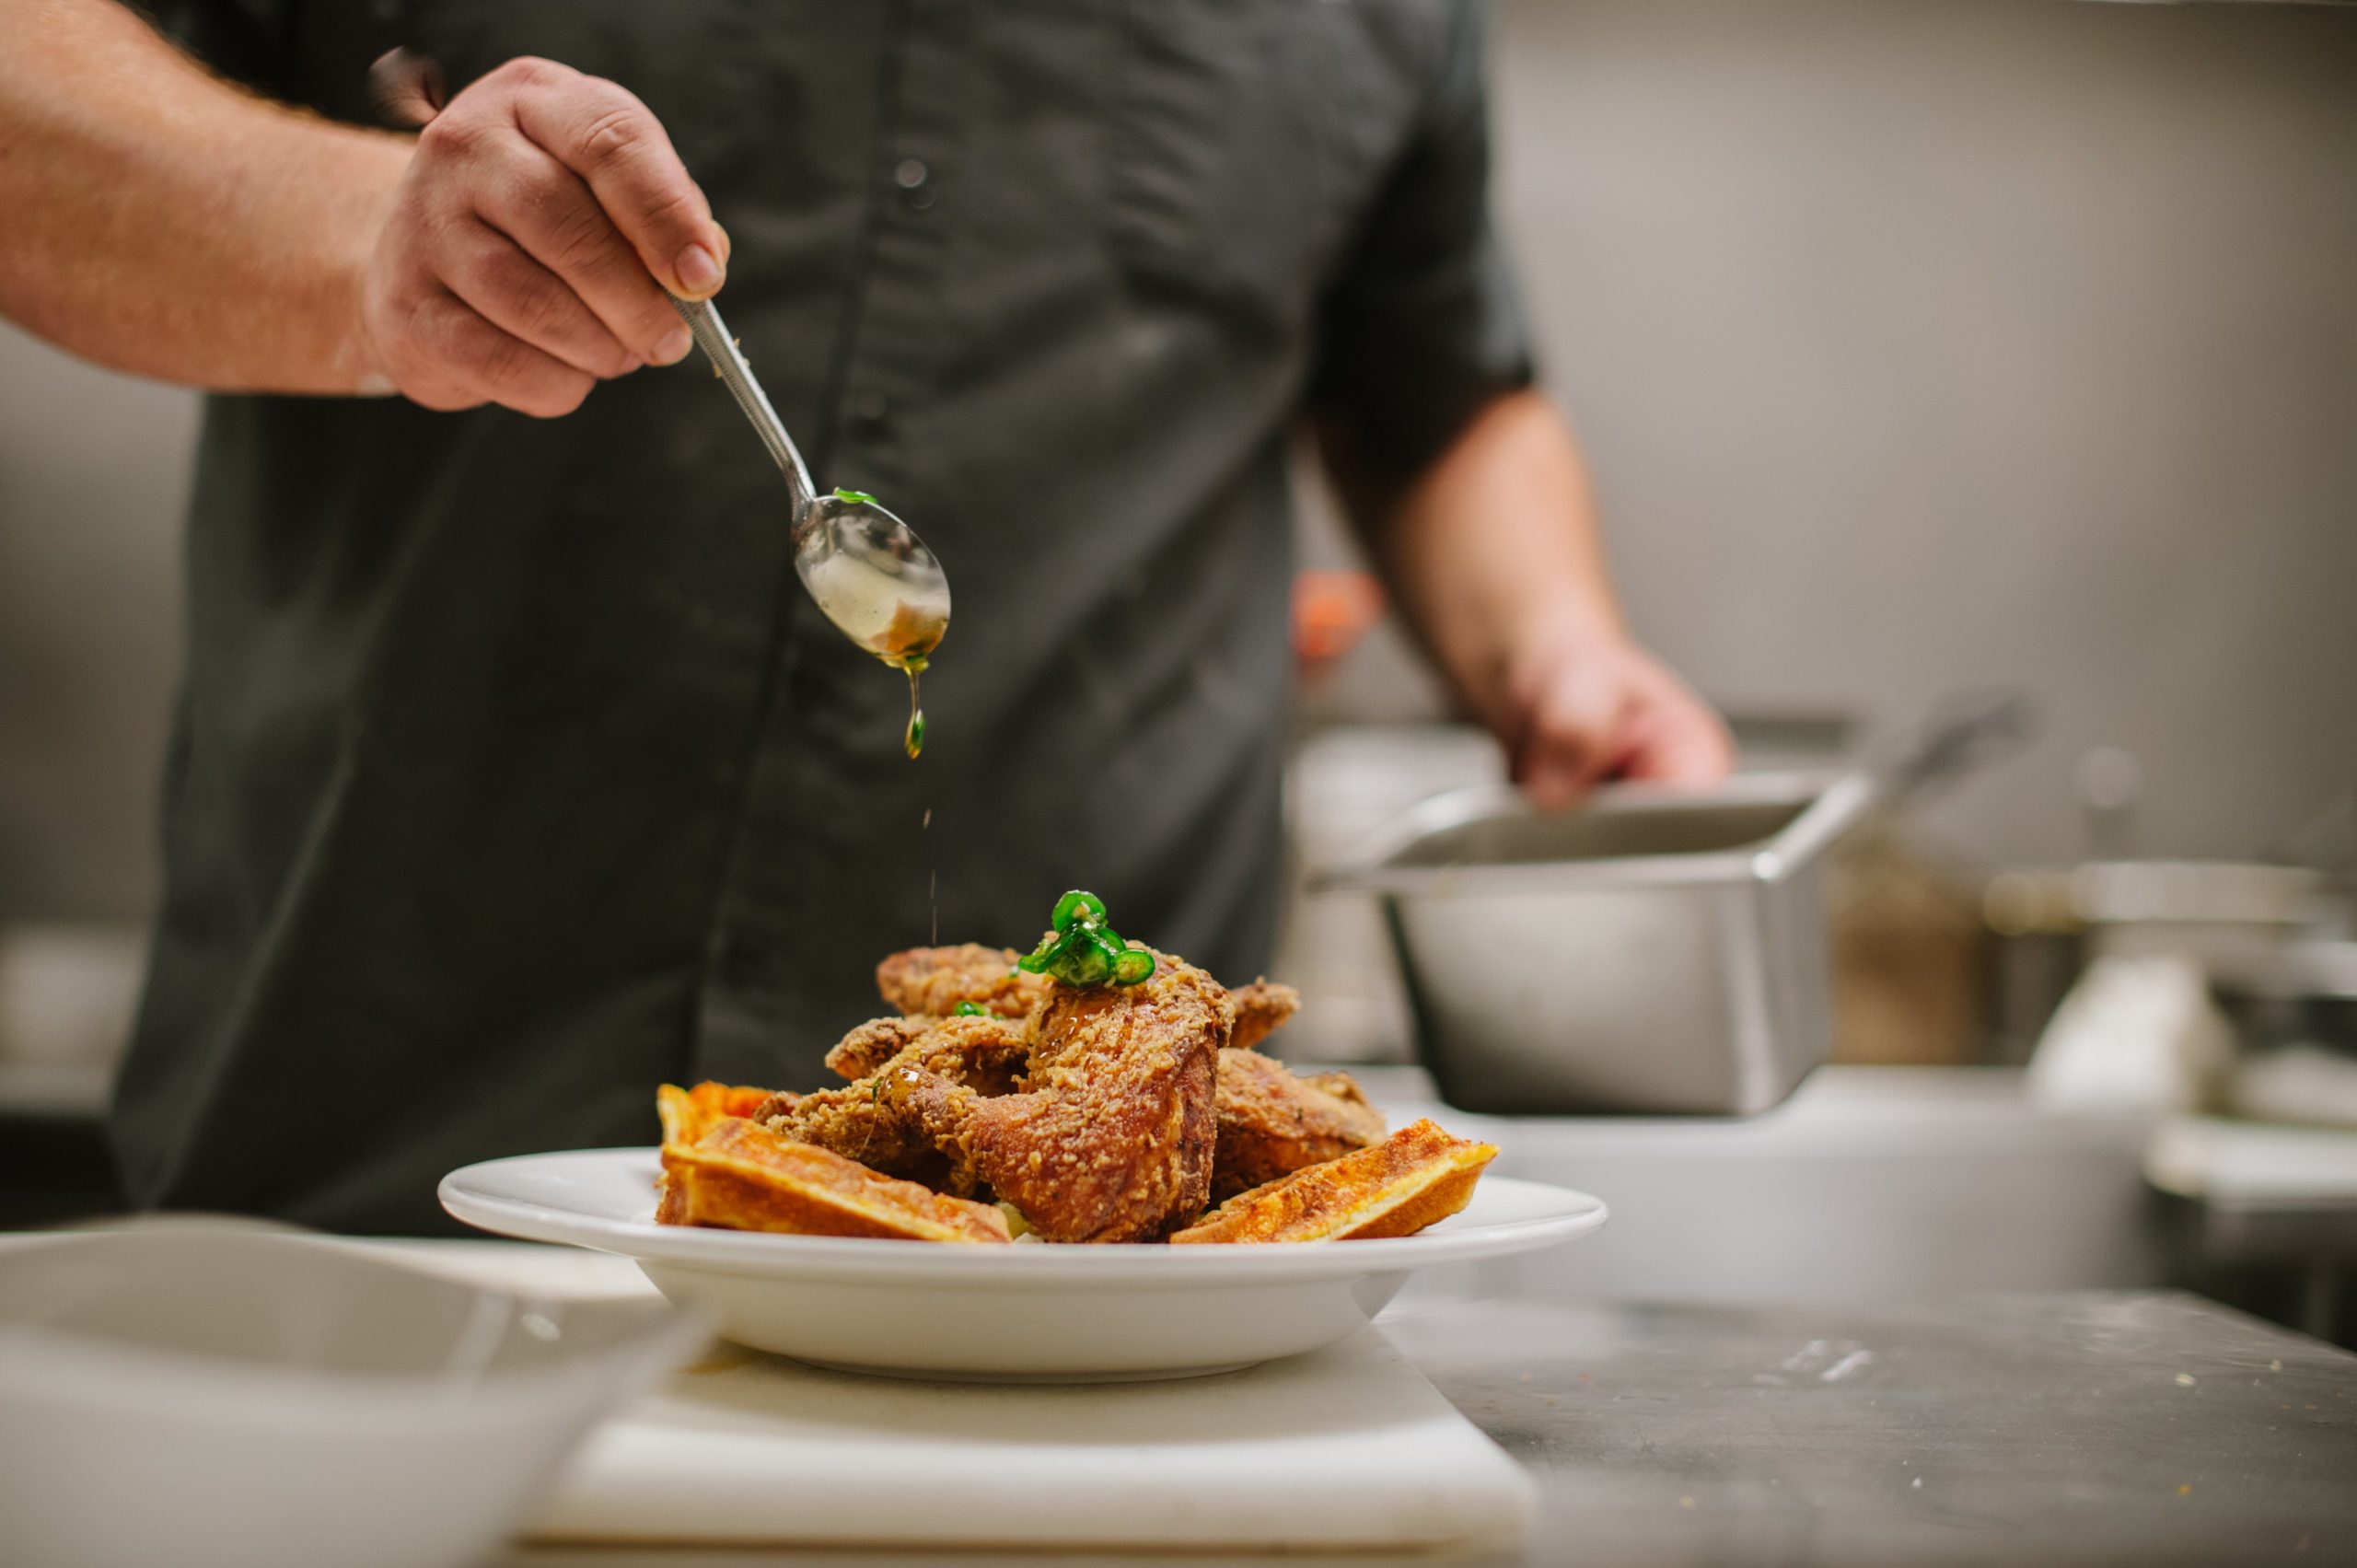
[[1083, 949]]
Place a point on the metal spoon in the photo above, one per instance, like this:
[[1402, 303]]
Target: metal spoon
[[865, 569]]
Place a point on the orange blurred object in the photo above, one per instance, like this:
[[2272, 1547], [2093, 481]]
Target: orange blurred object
[[1331, 612]]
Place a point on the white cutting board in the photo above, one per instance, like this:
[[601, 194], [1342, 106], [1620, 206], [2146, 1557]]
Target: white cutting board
[[1347, 1447]]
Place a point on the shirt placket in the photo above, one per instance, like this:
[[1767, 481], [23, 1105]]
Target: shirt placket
[[768, 919]]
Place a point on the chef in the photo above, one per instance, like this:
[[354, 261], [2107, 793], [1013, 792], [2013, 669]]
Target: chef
[[512, 773]]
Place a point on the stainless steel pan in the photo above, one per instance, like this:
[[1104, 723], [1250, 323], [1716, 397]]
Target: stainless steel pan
[[1652, 952]]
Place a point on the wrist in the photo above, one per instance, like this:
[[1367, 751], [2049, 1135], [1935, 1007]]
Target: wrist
[[359, 363]]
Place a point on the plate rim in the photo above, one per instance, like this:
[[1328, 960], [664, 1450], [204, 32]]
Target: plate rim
[[855, 1258]]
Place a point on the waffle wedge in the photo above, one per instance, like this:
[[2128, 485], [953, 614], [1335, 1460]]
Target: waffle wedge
[[740, 1176], [1413, 1179], [688, 1114]]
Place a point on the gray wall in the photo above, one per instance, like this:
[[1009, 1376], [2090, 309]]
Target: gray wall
[[1916, 344], [1923, 344]]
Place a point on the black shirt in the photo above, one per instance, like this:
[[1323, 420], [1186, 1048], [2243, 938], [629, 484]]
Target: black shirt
[[513, 773]]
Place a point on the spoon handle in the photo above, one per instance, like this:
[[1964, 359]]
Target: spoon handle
[[712, 336]]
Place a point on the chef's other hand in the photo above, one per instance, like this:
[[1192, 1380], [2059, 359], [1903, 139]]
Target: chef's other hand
[[529, 243], [1581, 710]]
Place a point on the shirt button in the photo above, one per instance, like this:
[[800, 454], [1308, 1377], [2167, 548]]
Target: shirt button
[[871, 409], [915, 182]]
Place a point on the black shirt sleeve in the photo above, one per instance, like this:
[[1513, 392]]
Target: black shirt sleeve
[[1422, 327], [245, 40]]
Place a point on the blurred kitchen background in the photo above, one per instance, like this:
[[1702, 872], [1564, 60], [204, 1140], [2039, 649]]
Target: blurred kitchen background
[[1921, 347]]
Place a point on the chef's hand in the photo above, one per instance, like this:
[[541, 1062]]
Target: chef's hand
[[1584, 708], [529, 243]]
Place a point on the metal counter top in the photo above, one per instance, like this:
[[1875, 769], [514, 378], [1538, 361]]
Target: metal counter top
[[2147, 1428], [2053, 1429]]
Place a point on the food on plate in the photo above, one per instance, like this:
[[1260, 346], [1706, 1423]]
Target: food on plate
[[1095, 1089], [981, 1052], [1272, 1123], [980, 1049], [687, 1114], [1110, 1139], [934, 983], [1413, 1179], [740, 1176], [1256, 1011]]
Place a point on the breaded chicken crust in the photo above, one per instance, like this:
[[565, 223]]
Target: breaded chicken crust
[[934, 982], [983, 1055], [1257, 1011], [1111, 1139], [1273, 1122], [987, 1053], [924, 983]]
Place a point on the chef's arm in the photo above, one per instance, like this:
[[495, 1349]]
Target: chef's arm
[[161, 221], [1492, 555]]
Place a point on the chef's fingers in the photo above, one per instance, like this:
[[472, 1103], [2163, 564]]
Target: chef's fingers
[[549, 210], [1555, 773], [461, 361], [1698, 754], [604, 134], [1568, 739], [1675, 735], [524, 299]]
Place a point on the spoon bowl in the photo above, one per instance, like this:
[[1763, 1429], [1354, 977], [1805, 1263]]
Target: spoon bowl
[[870, 574], [865, 569]]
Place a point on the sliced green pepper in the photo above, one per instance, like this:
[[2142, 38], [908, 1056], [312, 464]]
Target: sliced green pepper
[[1084, 949], [1073, 906], [968, 1010], [1039, 958], [1085, 958]]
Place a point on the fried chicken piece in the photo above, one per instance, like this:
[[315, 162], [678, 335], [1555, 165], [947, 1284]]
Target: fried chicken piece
[[932, 982], [1413, 1179], [983, 1054], [1273, 1122], [688, 1114], [856, 1122], [874, 1042], [986, 1053], [1256, 1011], [1111, 1140], [740, 1176]]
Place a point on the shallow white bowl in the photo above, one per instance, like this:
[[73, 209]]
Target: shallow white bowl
[[1021, 1313], [198, 1393]]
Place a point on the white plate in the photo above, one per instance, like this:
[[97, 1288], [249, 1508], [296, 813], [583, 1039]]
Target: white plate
[[1026, 1313]]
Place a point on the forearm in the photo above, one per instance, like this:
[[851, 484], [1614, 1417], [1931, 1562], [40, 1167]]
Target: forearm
[[166, 222], [1493, 556], [1491, 553]]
